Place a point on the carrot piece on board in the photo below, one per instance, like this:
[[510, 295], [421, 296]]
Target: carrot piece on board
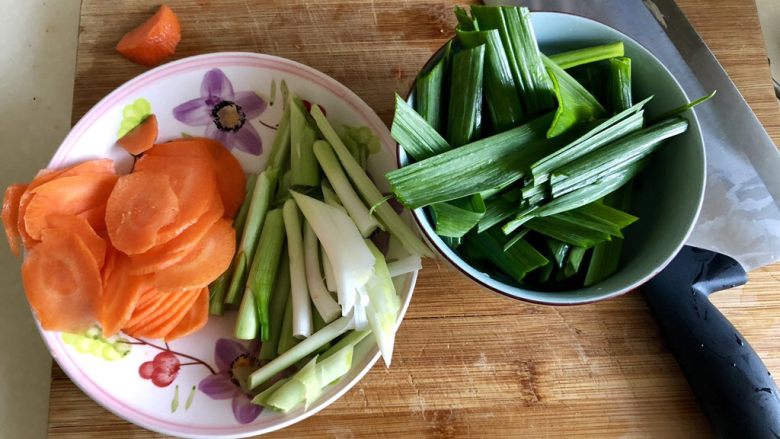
[[121, 293], [141, 204], [141, 138], [154, 40], [62, 282], [193, 181], [171, 252], [165, 323], [230, 175], [81, 228], [196, 317], [204, 262], [68, 195], [10, 215]]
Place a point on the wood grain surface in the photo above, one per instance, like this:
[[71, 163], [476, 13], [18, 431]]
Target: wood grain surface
[[467, 362]]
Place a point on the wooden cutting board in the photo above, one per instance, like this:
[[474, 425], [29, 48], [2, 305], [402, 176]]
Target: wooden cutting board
[[467, 362]]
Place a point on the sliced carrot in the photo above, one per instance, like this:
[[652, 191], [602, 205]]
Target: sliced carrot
[[141, 204], [121, 293], [162, 326], [108, 266], [230, 175], [141, 138], [81, 228], [10, 215], [193, 181], [96, 217], [166, 254], [154, 40], [158, 309], [147, 306], [68, 195], [194, 320], [97, 166], [204, 262], [62, 282]]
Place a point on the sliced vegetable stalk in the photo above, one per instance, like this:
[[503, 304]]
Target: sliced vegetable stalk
[[465, 22], [496, 210], [265, 265], [371, 195], [464, 119], [283, 189], [383, 305], [327, 308], [684, 108], [419, 139], [620, 96], [559, 250], [455, 218], [567, 231], [582, 196], [404, 265], [258, 207], [515, 239], [301, 305], [327, 268], [247, 322], [575, 258], [243, 211], [482, 165], [350, 339], [276, 310], [585, 55], [502, 96], [299, 351], [612, 129], [360, 141], [606, 256], [537, 89], [286, 338], [280, 150], [358, 211], [516, 262], [615, 156], [351, 259], [303, 165], [576, 105], [430, 94]]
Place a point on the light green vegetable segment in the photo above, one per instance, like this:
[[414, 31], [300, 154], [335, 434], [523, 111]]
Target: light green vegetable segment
[[576, 105], [520, 259], [303, 165], [430, 95], [371, 195], [419, 139], [265, 266], [455, 218], [276, 310], [577, 57], [464, 120]]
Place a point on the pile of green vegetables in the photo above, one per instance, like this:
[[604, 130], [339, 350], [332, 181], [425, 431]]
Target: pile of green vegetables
[[307, 279], [524, 162]]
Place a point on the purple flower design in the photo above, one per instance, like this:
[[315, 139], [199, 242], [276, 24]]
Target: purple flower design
[[224, 113], [234, 362]]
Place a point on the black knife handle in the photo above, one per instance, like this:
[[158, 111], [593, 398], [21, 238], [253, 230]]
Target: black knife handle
[[732, 384]]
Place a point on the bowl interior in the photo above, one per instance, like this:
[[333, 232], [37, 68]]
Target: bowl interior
[[667, 196]]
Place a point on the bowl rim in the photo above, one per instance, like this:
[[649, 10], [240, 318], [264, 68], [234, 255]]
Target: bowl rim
[[99, 394], [417, 214]]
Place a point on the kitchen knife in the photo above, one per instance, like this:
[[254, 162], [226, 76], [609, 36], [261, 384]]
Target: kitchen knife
[[740, 217]]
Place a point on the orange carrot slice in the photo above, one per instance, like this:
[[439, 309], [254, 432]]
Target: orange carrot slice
[[121, 293], [165, 323], [108, 266], [196, 318], [98, 166], [204, 262], [62, 282], [166, 254], [141, 138], [10, 215], [230, 175], [154, 40], [96, 217], [147, 306], [81, 228], [141, 204], [68, 195], [193, 181], [158, 309]]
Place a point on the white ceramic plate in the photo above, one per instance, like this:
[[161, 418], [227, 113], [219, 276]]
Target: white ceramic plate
[[200, 400]]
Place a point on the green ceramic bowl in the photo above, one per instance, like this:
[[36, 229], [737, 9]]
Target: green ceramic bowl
[[667, 196]]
